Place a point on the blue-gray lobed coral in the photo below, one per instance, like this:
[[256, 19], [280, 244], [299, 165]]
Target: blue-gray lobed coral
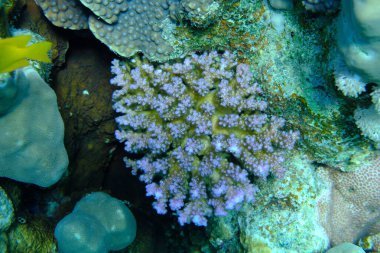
[[107, 10], [126, 27], [139, 29], [31, 128], [64, 13], [202, 131]]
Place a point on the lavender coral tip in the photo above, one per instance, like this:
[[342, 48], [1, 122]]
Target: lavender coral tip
[[201, 129]]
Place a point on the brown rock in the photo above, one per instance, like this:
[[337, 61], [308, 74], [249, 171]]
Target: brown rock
[[84, 96]]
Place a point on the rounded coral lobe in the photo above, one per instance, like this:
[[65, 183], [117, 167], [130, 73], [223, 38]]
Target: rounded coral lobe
[[203, 132]]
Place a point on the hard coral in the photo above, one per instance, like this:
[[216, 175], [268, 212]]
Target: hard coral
[[354, 197], [63, 13], [201, 129], [126, 27]]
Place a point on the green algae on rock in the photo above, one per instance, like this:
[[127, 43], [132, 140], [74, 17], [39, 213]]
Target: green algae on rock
[[35, 235]]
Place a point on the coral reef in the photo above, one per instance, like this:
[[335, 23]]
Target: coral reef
[[203, 129], [206, 131]]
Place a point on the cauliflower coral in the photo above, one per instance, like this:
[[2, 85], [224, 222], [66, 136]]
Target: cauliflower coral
[[198, 133]]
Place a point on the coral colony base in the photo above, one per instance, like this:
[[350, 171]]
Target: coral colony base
[[202, 132]]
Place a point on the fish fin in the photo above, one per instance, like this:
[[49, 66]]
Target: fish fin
[[39, 51], [15, 65], [18, 41]]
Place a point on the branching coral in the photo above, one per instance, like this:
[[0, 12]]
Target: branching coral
[[202, 132]]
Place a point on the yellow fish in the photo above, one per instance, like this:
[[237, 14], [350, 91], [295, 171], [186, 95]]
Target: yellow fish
[[14, 52]]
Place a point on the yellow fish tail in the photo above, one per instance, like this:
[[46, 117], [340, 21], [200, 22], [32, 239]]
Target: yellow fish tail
[[15, 65], [19, 41], [39, 51]]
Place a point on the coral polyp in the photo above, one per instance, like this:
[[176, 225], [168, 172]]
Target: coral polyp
[[202, 132]]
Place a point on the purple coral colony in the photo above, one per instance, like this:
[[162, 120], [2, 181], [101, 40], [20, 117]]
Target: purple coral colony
[[201, 131]]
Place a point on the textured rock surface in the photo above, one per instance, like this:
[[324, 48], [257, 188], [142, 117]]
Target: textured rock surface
[[273, 223], [84, 96], [34, 235], [289, 201]]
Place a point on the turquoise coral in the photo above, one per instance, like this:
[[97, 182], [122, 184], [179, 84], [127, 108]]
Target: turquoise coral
[[99, 223], [31, 128]]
